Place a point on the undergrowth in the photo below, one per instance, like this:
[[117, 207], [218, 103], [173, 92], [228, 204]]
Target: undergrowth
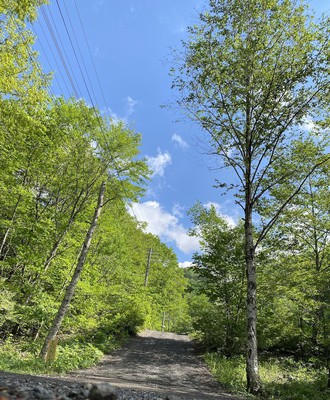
[[22, 357], [282, 378]]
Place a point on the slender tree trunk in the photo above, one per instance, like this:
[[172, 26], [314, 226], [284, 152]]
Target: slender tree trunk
[[75, 278], [4, 240], [56, 246], [75, 211], [252, 368], [318, 264], [147, 268], [5, 237]]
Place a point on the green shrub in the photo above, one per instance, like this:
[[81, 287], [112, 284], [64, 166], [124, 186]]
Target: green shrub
[[105, 339], [213, 329], [282, 378], [229, 372], [23, 358]]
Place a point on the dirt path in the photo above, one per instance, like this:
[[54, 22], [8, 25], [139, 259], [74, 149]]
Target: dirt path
[[158, 362]]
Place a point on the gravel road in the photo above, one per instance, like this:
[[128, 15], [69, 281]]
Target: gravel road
[[151, 366], [157, 361]]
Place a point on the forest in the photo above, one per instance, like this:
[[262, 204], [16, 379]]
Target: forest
[[57, 155], [77, 268]]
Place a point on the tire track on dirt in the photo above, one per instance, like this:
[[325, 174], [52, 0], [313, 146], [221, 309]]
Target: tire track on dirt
[[159, 362]]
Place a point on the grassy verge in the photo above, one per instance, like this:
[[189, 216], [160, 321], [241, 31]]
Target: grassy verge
[[283, 378], [22, 357]]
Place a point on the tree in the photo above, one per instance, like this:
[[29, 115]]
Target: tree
[[250, 74], [23, 99], [110, 153], [21, 77], [76, 275], [300, 249], [220, 266], [49, 188]]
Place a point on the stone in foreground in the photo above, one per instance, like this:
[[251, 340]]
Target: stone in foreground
[[102, 391]]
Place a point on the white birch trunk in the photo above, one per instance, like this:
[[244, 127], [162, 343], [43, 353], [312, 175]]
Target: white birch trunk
[[252, 367], [75, 278]]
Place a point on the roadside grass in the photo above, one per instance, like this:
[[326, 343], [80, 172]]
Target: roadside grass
[[283, 378], [22, 357]]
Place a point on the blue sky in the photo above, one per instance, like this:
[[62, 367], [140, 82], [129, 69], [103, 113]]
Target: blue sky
[[129, 45]]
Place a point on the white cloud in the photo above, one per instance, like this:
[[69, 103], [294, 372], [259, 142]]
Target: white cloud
[[185, 264], [164, 225], [130, 105], [115, 118], [178, 139], [177, 210], [158, 163], [308, 124], [230, 220]]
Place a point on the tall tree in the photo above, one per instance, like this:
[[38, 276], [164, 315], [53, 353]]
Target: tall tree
[[250, 74], [23, 98], [76, 275], [300, 247], [21, 76]]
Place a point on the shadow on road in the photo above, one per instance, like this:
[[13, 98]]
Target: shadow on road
[[158, 362]]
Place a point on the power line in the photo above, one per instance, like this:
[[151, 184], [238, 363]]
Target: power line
[[71, 76], [51, 31], [91, 57], [78, 47], [64, 50], [91, 99], [50, 66], [75, 54], [54, 58]]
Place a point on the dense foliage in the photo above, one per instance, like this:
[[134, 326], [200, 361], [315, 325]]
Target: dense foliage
[[294, 301], [250, 74], [55, 153], [49, 190]]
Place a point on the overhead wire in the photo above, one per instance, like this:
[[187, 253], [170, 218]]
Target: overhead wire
[[59, 51], [90, 97], [76, 57], [71, 76], [100, 87], [91, 57], [59, 70], [72, 70], [79, 51], [49, 64]]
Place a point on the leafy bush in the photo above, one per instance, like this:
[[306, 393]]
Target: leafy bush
[[105, 340], [286, 379], [229, 372], [282, 378], [212, 327], [71, 357], [23, 358], [7, 304]]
